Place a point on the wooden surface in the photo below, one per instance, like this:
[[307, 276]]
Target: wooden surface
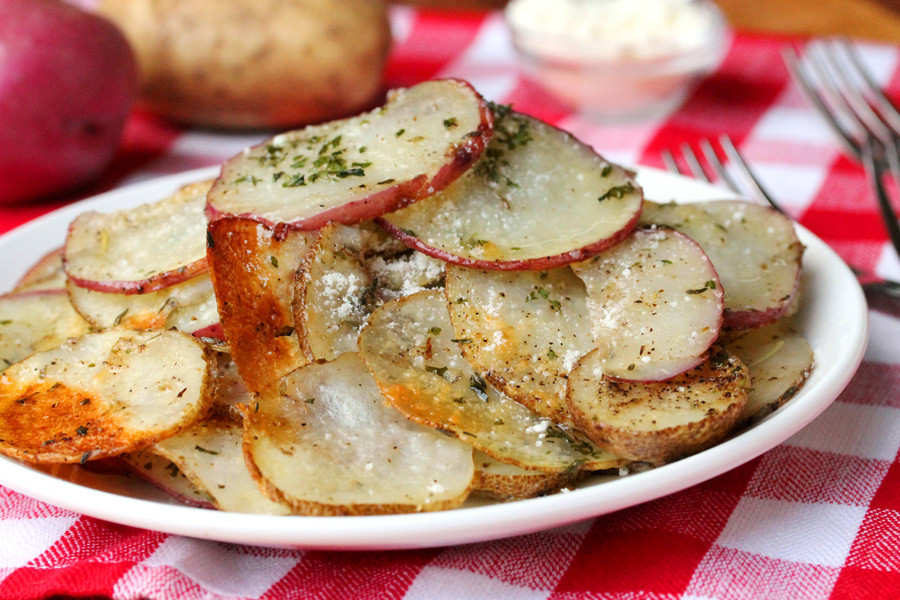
[[865, 19]]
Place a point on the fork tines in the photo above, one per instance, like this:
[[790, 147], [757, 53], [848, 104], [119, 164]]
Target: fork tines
[[833, 78], [740, 179]]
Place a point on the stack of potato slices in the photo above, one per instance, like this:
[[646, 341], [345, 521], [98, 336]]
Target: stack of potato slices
[[391, 312]]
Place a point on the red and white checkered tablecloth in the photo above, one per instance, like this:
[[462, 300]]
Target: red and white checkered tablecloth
[[816, 517]]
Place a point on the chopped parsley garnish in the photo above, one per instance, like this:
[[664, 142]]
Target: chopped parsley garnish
[[439, 371], [478, 385], [618, 192], [709, 285]]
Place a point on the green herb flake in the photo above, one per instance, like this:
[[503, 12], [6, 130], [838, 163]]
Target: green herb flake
[[205, 450], [618, 192], [435, 331], [274, 261], [440, 371], [709, 285], [478, 385]]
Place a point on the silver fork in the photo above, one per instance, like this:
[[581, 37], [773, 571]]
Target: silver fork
[[834, 80], [748, 185]]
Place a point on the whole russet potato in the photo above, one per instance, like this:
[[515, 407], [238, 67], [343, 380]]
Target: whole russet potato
[[240, 64], [68, 79]]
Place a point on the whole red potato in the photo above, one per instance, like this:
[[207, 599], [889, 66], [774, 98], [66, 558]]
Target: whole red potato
[[68, 79]]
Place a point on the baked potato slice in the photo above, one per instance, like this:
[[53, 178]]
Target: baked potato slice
[[211, 455], [348, 272], [659, 421], [355, 169], [329, 445], [501, 481], [655, 303], [165, 475], [188, 306], [409, 346], [754, 249], [45, 274], [254, 269], [34, 321], [141, 249], [780, 361], [103, 394], [526, 330], [537, 199]]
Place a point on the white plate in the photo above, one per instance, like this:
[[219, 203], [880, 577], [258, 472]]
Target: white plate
[[833, 319]]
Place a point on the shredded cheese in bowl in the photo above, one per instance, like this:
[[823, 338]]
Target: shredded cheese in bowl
[[618, 58]]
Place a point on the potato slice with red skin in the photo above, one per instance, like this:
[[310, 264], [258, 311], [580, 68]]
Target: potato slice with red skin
[[355, 169], [329, 445], [211, 455], [35, 321], [188, 306], [165, 475], [655, 303], [526, 330], [537, 199], [780, 361], [142, 249], [657, 422], [253, 269], [754, 248], [103, 394], [408, 345], [46, 274]]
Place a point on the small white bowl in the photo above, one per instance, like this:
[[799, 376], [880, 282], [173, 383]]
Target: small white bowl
[[614, 65]]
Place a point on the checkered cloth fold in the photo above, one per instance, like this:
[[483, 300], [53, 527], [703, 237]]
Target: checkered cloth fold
[[816, 517]]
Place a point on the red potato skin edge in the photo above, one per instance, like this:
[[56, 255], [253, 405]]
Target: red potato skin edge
[[542, 263], [751, 319], [134, 470], [462, 157], [143, 286], [720, 300]]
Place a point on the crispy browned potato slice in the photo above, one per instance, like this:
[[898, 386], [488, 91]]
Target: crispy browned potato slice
[[329, 445], [659, 421], [410, 347], [188, 306], [140, 249], [253, 269], [103, 394], [211, 455], [35, 321], [779, 360], [500, 481], [165, 475], [526, 330]]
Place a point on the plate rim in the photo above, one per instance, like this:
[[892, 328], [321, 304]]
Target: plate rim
[[468, 524]]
